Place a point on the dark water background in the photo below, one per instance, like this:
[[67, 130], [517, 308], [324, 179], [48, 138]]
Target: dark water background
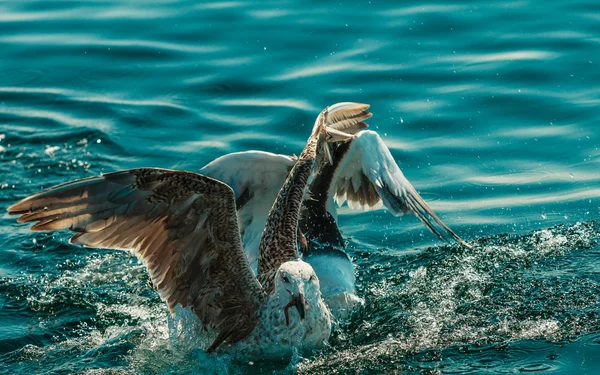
[[491, 110]]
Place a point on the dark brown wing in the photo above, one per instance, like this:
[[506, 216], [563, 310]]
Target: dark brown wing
[[183, 227]]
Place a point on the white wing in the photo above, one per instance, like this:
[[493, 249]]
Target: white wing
[[368, 177], [255, 178]]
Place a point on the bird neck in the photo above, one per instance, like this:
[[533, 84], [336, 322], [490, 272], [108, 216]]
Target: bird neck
[[316, 222], [279, 240]]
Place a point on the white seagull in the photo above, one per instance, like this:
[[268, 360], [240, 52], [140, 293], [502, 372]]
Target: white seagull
[[361, 172], [183, 226]]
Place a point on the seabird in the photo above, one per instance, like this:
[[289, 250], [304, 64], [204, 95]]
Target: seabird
[[361, 172], [183, 226]]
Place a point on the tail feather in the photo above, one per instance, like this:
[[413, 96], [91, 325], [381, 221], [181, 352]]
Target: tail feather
[[338, 123], [347, 118], [336, 135], [342, 121]]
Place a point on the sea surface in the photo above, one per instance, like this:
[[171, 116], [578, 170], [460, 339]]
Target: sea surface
[[491, 109]]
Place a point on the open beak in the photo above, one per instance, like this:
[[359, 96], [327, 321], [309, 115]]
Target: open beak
[[298, 303]]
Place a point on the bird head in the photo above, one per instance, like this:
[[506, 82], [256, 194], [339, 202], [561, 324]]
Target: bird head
[[297, 287]]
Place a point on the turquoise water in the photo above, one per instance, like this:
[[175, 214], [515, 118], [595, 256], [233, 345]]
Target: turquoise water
[[490, 110]]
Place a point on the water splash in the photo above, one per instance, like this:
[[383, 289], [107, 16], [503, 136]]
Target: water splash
[[494, 296]]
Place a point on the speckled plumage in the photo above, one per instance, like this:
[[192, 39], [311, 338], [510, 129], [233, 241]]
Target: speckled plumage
[[363, 173], [183, 227], [273, 337]]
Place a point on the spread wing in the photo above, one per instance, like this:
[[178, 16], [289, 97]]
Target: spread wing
[[255, 178], [367, 177], [181, 225]]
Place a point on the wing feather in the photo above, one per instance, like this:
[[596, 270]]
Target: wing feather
[[368, 177], [182, 226], [255, 177]]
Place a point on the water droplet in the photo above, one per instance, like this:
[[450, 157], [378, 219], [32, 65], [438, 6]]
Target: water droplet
[[50, 150]]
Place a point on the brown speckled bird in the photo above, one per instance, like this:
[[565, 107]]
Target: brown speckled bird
[[184, 228]]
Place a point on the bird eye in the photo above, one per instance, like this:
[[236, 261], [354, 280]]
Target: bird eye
[[285, 279]]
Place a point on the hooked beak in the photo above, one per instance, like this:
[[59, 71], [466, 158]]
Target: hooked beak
[[298, 303]]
